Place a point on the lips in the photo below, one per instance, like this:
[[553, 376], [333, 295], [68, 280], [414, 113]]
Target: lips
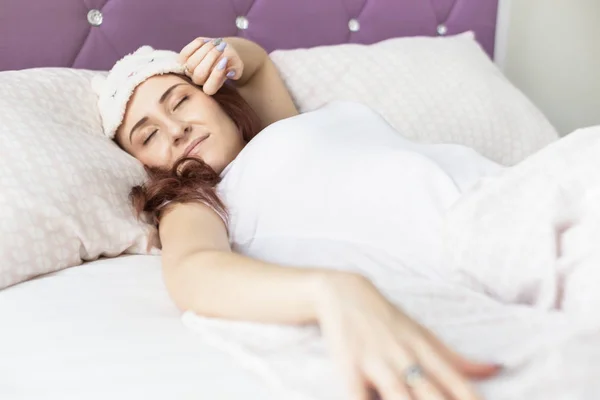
[[192, 146]]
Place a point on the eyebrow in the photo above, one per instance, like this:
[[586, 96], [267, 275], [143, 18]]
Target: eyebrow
[[168, 92], [137, 125], [162, 99]]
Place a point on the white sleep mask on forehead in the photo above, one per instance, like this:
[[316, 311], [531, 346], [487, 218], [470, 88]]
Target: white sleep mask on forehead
[[115, 89]]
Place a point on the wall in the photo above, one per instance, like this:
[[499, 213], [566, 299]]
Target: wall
[[550, 49]]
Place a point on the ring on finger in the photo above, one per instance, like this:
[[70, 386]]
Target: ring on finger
[[413, 375]]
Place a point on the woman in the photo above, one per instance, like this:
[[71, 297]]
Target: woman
[[188, 117]]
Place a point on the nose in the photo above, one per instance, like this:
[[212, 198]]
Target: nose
[[177, 130]]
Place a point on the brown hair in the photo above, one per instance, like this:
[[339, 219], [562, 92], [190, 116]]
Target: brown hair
[[190, 179]]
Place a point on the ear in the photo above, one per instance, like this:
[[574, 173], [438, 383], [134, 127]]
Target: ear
[[98, 84]]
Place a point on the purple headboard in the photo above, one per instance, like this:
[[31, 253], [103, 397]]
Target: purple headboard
[[93, 34]]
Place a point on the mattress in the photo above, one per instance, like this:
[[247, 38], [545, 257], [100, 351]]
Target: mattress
[[107, 329]]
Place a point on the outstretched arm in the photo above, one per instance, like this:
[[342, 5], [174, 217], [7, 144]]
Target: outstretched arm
[[373, 342]]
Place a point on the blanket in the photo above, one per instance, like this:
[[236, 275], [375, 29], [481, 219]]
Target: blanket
[[532, 236], [516, 287]]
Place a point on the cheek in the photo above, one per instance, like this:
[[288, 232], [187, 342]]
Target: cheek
[[148, 160], [157, 155], [210, 112]]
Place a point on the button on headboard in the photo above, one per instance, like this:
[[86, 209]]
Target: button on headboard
[[95, 33]]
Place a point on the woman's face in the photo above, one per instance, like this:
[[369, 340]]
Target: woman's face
[[168, 118]]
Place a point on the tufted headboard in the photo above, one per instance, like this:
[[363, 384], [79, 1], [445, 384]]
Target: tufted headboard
[[93, 34]]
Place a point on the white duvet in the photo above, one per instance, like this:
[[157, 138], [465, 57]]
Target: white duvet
[[393, 234], [537, 231]]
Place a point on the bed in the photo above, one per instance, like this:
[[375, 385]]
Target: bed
[[108, 330], [106, 327]]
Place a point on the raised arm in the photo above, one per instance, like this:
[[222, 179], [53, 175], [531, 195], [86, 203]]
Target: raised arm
[[248, 66], [260, 85]]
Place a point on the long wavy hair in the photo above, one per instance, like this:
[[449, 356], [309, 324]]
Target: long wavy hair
[[190, 179]]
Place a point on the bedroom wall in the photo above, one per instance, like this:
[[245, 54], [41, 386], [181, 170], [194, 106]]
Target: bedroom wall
[[550, 49]]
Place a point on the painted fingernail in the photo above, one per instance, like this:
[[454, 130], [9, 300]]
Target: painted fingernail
[[222, 63], [217, 41], [221, 46], [230, 74], [206, 40]]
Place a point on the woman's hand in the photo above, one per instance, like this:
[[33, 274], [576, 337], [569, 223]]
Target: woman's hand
[[209, 62], [378, 347]]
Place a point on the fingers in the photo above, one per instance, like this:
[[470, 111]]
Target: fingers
[[426, 390], [351, 373], [420, 385], [208, 65], [357, 385], [398, 376], [216, 78], [235, 67], [191, 48], [448, 379], [197, 56], [474, 369], [387, 381], [418, 372], [205, 59], [459, 363]]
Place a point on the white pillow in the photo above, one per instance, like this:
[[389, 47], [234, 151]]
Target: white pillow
[[435, 90], [64, 196]]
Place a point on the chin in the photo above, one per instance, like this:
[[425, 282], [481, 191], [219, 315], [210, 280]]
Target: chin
[[215, 165], [217, 168]]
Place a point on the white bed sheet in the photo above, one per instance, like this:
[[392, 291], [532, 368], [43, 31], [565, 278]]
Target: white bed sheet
[[107, 329]]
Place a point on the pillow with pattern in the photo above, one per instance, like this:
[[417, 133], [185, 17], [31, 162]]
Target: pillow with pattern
[[64, 185], [430, 89]]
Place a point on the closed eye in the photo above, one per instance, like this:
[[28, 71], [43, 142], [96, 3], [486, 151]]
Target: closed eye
[[184, 98], [150, 136]]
